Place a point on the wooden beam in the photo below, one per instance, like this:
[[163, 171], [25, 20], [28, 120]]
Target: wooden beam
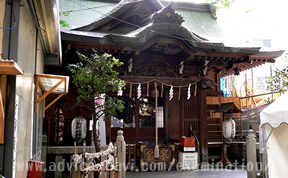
[[3, 89], [203, 126], [51, 76], [89, 46], [227, 55], [1, 120], [1, 131], [2, 106], [44, 101], [41, 84], [50, 91], [167, 81], [10, 68], [56, 99]]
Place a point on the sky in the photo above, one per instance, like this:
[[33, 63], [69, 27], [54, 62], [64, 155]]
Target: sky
[[265, 19]]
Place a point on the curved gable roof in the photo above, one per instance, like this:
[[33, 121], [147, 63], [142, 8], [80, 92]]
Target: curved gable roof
[[123, 14]]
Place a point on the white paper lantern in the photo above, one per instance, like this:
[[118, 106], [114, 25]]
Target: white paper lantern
[[229, 128], [79, 128]]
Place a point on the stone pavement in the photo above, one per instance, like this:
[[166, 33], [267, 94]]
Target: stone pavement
[[237, 173]]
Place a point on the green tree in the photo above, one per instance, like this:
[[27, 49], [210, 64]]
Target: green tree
[[221, 3], [279, 80], [94, 76]]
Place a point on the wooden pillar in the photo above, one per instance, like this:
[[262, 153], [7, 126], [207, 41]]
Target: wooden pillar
[[203, 126], [251, 155], [121, 153], [108, 130]]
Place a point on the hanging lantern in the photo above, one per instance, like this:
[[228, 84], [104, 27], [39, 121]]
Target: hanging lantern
[[229, 128], [79, 128]]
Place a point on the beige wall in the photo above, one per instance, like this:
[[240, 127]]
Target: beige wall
[[40, 58], [2, 12], [25, 86]]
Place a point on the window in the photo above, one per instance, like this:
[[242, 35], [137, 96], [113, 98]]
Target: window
[[126, 118], [147, 112], [261, 83]]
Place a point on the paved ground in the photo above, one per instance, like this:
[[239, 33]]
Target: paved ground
[[237, 173]]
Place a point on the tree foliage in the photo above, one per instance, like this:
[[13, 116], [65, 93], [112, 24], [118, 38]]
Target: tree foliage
[[64, 23], [221, 3], [279, 80], [94, 76]]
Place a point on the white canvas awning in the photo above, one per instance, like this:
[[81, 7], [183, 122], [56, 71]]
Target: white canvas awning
[[276, 113], [273, 137]]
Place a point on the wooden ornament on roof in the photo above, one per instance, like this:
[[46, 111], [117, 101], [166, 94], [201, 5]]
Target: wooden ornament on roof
[[167, 14], [228, 108], [80, 105]]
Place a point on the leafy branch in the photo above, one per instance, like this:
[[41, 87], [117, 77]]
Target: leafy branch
[[64, 23], [221, 3], [279, 80]]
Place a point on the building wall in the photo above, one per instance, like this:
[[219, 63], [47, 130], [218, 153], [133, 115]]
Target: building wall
[[2, 12], [25, 87]]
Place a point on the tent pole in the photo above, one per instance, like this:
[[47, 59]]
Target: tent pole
[[269, 135]]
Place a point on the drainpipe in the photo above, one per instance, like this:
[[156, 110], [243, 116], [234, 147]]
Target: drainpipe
[[38, 26], [33, 126]]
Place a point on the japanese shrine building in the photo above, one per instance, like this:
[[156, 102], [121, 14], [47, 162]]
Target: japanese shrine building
[[168, 46]]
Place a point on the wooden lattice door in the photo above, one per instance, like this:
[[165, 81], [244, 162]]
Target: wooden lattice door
[[190, 115]]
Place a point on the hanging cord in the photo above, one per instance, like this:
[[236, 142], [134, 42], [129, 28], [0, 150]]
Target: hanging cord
[[14, 21], [156, 149], [9, 28], [161, 83]]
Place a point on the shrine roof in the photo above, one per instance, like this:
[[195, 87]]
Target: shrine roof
[[84, 12], [136, 25], [85, 15], [228, 108], [118, 26]]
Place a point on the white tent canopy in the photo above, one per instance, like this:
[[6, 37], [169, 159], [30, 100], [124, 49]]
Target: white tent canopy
[[273, 137]]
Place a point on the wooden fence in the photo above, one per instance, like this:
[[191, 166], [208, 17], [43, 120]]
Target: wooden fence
[[112, 163]]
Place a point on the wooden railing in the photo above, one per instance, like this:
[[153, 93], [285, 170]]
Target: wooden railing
[[249, 101]]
